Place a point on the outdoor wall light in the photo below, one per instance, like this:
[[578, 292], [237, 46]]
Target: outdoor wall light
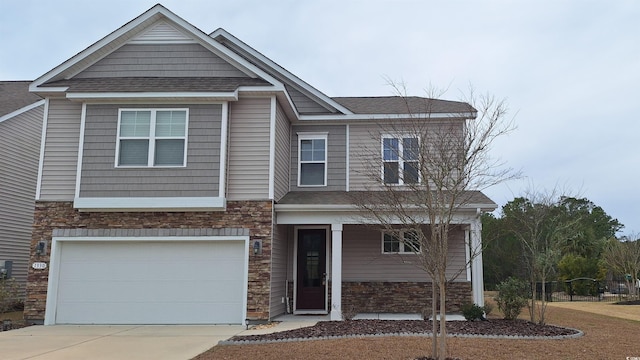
[[41, 248], [257, 247]]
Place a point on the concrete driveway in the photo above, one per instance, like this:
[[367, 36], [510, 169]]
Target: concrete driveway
[[70, 342]]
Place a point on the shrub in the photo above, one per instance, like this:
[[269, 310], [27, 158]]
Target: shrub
[[349, 312], [8, 294], [472, 312], [512, 297]]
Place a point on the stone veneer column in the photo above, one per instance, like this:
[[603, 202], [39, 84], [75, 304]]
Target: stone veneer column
[[336, 271]]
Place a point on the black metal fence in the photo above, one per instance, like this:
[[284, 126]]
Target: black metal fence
[[585, 289]]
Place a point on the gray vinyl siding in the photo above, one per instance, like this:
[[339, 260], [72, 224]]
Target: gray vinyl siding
[[161, 60], [304, 104], [200, 178], [19, 154], [283, 154], [279, 261], [248, 161], [365, 157], [336, 157], [363, 259], [61, 151]]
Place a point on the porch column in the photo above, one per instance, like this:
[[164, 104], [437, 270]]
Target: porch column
[[336, 271], [477, 278]]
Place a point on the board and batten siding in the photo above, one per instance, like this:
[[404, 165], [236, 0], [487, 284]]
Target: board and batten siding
[[19, 154], [363, 260], [59, 165], [161, 60], [248, 160], [282, 155], [336, 157], [100, 177]]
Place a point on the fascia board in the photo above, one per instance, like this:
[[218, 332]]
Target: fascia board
[[150, 204], [224, 96], [313, 207], [279, 69], [213, 45], [349, 207]]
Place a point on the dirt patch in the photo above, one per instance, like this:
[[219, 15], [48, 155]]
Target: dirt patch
[[604, 337]]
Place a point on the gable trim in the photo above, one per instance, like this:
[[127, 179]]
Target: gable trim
[[21, 110]]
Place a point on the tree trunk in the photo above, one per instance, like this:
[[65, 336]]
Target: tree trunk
[[443, 318], [532, 307], [434, 324]]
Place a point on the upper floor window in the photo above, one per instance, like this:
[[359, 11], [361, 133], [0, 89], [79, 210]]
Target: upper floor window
[[152, 137], [400, 160], [401, 242], [312, 159]]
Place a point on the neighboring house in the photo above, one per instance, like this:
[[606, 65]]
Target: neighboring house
[[171, 190], [21, 114]]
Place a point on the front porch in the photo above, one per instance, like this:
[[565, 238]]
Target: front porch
[[348, 271]]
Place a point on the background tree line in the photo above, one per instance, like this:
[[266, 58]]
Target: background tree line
[[543, 237]]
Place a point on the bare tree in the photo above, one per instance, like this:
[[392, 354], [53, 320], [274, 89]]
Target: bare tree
[[432, 167], [623, 257]]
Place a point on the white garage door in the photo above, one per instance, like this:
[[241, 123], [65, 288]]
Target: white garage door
[[185, 282]]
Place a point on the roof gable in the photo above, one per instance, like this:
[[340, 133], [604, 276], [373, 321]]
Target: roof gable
[[157, 25], [302, 88]]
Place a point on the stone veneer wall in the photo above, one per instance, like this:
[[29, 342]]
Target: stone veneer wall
[[400, 297], [253, 215]]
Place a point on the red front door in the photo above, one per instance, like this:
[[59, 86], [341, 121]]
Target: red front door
[[311, 276]]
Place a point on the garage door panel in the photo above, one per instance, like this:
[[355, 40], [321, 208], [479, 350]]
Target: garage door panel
[[172, 313], [169, 282], [105, 271], [183, 291]]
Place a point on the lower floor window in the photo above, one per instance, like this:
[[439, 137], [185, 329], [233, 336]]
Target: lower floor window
[[400, 242]]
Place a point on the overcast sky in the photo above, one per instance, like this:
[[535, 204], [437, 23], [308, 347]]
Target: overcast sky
[[570, 70]]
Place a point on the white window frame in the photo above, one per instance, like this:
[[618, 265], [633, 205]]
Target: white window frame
[[401, 247], [400, 161], [152, 138], [313, 136]]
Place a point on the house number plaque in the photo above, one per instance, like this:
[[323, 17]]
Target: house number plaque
[[39, 265]]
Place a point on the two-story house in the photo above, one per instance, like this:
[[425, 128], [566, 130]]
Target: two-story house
[[186, 178]]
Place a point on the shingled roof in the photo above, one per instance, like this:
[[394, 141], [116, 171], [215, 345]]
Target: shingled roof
[[15, 95], [402, 105], [475, 198], [157, 84]]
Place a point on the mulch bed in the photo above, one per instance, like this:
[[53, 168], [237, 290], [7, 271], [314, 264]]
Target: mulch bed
[[491, 327]]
